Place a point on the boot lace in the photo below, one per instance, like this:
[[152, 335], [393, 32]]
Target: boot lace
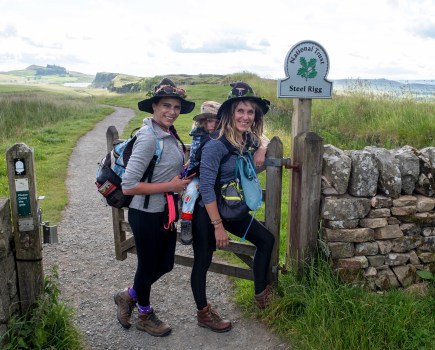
[[214, 315], [131, 308], [154, 319]]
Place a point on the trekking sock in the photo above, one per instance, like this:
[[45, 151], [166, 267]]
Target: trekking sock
[[132, 293], [145, 309]]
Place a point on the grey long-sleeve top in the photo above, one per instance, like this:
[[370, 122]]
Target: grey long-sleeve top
[[211, 157], [170, 164]]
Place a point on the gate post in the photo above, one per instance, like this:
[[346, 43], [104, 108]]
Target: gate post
[[26, 223], [305, 199], [272, 210], [301, 120], [305, 187], [117, 214]]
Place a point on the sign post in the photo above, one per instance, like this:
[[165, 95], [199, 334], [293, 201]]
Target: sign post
[[306, 66], [24, 207]]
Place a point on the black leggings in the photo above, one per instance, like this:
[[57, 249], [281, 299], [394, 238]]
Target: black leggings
[[204, 244], [155, 249]]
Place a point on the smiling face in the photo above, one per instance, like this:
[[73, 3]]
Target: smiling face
[[166, 111], [244, 115]]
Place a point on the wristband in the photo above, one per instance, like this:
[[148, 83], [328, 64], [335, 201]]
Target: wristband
[[216, 222]]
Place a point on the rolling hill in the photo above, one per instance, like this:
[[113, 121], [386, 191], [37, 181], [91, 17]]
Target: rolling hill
[[123, 83]]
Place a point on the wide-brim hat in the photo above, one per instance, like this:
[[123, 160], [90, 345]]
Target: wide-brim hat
[[209, 109], [166, 88], [242, 91]]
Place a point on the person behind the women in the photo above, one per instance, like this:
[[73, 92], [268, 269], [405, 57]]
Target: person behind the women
[[241, 123], [155, 245], [204, 123]]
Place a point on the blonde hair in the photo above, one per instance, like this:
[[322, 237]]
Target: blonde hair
[[228, 128]]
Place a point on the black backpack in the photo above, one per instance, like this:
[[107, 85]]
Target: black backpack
[[111, 168]]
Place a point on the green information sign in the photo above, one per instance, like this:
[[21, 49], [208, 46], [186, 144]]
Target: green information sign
[[23, 203]]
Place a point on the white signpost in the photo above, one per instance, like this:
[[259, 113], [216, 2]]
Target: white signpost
[[306, 67]]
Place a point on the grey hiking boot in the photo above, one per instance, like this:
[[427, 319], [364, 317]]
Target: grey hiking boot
[[151, 324], [186, 232], [126, 305]]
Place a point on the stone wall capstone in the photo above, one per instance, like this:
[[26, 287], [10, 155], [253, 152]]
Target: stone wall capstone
[[377, 213]]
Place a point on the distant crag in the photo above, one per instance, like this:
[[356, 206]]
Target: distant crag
[[103, 80], [124, 83], [51, 69]]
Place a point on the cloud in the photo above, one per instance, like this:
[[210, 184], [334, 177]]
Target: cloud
[[44, 59], [55, 45], [426, 31], [8, 32], [11, 33], [178, 44]]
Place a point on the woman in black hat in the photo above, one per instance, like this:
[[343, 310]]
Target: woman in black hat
[[241, 125], [155, 242]]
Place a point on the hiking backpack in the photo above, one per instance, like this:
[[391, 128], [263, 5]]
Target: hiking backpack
[[214, 135], [249, 191], [112, 167]]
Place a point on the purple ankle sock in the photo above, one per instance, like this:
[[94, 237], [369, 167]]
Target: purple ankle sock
[[132, 293], [145, 309]]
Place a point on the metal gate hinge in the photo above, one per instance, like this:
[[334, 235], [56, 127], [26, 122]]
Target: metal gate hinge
[[278, 162]]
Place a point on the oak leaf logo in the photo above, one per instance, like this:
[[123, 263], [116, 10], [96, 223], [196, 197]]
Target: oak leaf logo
[[308, 69]]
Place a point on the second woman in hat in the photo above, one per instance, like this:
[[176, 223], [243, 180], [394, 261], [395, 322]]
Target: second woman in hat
[[241, 125]]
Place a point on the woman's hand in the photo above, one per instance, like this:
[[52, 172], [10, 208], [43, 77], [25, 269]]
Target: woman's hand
[[178, 184], [260, 156], [222, 239]]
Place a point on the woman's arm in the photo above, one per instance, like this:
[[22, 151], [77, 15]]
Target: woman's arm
[[143, 151], [177, 185], [222, 239], [260, 153]]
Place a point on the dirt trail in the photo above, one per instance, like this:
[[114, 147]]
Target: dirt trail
[[90, 274]]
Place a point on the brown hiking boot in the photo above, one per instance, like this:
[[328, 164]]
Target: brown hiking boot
[[126, 305], [208, 318], [151, 324], [264, 298]]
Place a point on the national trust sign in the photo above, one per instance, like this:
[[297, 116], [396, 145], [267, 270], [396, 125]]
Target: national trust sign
[[306, 67]]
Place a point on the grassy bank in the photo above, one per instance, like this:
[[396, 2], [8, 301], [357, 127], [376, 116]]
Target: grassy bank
[[314, 313], [50, 122]]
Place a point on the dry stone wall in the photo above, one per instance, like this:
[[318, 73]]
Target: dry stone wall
[[377, 213]]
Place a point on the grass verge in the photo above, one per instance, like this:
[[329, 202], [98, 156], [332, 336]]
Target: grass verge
[[318, 312], [49, 122], [48, 325]]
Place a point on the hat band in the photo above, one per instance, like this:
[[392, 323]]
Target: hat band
[[170, 90]]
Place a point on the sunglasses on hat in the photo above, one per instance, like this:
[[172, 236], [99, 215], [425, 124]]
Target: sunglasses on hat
[[170, 90]]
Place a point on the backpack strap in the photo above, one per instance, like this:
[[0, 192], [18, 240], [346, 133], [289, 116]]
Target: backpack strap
[[231, 150], [148, 175]]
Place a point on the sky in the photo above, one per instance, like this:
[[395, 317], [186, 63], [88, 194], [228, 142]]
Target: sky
[[364, 39]]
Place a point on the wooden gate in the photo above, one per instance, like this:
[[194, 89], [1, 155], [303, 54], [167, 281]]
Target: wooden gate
[[124, 241]]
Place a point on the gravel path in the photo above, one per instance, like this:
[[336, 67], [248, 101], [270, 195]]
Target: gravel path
[[90, 274]]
